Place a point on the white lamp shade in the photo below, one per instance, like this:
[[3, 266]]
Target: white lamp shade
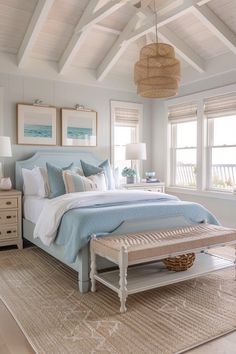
[[5, 146], [136, 151]]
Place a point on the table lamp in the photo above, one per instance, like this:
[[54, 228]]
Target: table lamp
[[5, 150], [136, 152]]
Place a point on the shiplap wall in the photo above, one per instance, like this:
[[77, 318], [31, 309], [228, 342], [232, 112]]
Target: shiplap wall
[[61, 94]]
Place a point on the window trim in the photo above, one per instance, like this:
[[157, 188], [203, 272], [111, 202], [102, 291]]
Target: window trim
[[124, 104], [173, 149], [204, 173]]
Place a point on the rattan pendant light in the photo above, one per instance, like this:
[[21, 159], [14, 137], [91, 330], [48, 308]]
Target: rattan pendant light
[[157, 73]]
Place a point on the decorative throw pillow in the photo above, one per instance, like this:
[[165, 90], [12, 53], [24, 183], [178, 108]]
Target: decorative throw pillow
[[89, 170], [103, 167], [33, 182], [76, 183], [55, 179], [44, 173], [116, 176]]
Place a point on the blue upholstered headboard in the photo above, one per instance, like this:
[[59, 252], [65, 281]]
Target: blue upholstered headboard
[[58, 158]]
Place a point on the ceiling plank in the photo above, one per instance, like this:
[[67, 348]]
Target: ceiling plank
[[131, 35], [216, 26], [36, 23], [118, 48], [182, 49], [162, 20], [87, 20]]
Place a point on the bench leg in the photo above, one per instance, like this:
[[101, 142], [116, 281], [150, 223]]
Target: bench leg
[[93, 270], [123, 264], [84, 281]]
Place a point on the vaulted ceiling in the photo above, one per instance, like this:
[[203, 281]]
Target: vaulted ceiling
[[104, 37]]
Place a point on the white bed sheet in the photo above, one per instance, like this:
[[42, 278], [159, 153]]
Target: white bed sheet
[[32, 207]]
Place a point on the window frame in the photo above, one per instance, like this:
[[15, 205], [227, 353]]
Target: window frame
[[210, 147], [203, 158], [129, 105], [173, 152]]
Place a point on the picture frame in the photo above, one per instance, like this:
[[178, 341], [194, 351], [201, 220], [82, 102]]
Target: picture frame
[[78, 127], [36, 125]]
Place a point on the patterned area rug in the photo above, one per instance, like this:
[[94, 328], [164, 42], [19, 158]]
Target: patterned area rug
[[42, 295]]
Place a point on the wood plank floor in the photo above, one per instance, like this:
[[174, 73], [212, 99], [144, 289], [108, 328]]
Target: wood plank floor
[[12, 340]]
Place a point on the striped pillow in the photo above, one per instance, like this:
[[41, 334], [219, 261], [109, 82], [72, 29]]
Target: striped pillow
[[76, 183]]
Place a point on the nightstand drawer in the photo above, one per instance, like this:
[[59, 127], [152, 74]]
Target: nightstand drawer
[[8, 203], [8, 231], [8, 217]]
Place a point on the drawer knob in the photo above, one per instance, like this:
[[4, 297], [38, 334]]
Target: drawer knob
[[9, 216], [8, 203], [9, 231]]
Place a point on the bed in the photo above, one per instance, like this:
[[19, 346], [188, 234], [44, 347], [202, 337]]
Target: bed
[[71, 244]]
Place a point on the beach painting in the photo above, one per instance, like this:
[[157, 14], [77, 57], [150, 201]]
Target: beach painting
[[79, 127], [36, 125]]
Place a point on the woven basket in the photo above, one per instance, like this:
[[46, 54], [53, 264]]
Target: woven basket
[[180, 263]]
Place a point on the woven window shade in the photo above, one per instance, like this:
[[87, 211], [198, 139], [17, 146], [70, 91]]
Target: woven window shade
[[182, 113], [220, 106], [126, 116]]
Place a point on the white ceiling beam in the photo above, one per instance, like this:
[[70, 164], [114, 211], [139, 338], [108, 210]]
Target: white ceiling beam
[[107, 29], [216, 26], [132, 34], [184, 51], [89, 20], [86, 22], [118, 48], [203, 2], [36, 23], [185, 7]]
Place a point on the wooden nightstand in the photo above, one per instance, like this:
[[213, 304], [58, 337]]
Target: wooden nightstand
[[10, 218], [151, 187]]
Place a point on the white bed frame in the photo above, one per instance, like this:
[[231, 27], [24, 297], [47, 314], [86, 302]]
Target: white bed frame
[[62, 159]]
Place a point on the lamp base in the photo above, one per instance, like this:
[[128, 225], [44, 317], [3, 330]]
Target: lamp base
[[5, 184]]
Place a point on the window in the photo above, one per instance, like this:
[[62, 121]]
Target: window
[[126, 125], [221, 157], [183, 126]]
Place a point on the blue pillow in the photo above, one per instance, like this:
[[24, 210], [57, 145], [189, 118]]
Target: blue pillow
[[55, 179], [103, 167], [90, 170]]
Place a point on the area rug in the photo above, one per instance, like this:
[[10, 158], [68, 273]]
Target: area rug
[[42, 295]]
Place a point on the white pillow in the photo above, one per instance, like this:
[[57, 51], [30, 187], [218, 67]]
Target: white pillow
[[44, 174], [116, 176], [33, 182], [76, 183]]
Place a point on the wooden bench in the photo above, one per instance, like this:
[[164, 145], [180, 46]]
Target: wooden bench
[[140, 248]]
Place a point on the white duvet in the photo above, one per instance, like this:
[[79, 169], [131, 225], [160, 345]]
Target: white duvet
[[50, 217]]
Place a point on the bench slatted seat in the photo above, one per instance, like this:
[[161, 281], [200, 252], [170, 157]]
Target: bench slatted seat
[[137, 248]]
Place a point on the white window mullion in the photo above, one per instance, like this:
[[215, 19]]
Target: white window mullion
[[201, 155], [210, 137]]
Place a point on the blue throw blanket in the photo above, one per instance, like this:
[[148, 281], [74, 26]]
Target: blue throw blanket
[[78, 224]]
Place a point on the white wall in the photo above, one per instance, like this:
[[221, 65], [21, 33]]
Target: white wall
[[61, 94], [223, 209], [159, 134]]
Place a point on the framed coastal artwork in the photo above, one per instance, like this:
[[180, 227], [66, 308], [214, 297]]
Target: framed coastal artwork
[[36, 125], [79, 127]]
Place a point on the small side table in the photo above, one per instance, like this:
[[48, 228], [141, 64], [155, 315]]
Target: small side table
[[151, 187], [10, 218]]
